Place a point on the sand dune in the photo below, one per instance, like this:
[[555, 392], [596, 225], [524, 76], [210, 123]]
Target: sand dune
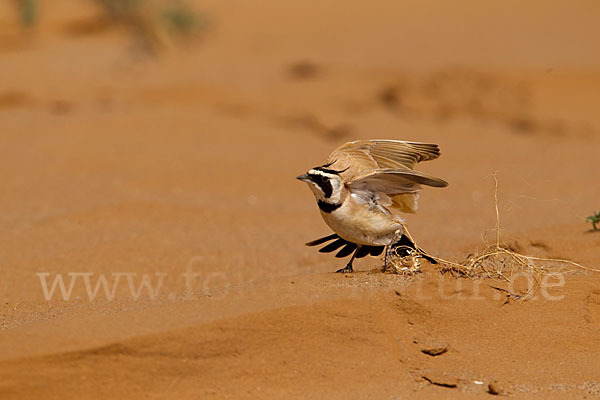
[[115, 164]]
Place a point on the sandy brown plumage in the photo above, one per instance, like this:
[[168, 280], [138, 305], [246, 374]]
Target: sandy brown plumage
[[361, 191], [386, 167]]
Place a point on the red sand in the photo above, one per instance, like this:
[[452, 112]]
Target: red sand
[[111, 165]]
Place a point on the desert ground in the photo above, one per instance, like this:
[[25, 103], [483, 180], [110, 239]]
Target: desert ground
[[177, 169]]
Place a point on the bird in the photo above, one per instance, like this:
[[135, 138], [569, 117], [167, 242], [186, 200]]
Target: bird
[[361, 192]]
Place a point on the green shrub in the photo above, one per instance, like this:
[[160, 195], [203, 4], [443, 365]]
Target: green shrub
[[594, 219]]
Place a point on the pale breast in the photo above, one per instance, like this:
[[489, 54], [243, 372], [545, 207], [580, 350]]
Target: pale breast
[[360, 224]]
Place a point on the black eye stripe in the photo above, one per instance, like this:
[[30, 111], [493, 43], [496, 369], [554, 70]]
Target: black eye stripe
[[323, 183], [329, 171]]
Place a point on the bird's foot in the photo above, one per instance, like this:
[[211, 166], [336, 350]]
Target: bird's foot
[[346, 270]]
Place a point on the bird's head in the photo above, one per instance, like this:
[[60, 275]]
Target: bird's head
[[326, 184]]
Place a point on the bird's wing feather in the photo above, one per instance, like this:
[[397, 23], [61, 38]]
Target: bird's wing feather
[[364, 156], [406, 203], [381, 172], [395, 181], [396, 191]]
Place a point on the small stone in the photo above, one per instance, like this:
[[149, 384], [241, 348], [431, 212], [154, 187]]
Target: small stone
[[494, 389], [436, 351]]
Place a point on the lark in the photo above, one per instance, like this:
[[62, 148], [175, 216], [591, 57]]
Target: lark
[[362, 191]]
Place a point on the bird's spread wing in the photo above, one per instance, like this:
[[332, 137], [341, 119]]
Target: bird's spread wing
[[381, 171], [365, 156], [395, 181], [396, 191]]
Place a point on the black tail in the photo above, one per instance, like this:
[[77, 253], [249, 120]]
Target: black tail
[[322, 240], [347, 249], [402, 247], [405, 245]]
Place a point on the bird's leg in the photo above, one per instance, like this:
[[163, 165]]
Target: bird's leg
[[348, 267], [388, 254]]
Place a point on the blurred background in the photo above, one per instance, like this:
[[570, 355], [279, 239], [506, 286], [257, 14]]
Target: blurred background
[[159, 137], [137, 134]]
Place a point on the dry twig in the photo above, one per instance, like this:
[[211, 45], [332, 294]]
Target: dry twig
[[496, 261]]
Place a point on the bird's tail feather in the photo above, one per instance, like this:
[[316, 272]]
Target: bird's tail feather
[[405, 243], [347, 249]]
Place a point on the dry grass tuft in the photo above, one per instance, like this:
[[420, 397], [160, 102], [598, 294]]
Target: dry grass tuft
[[498, 261], [404, 261], [154, 25]]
